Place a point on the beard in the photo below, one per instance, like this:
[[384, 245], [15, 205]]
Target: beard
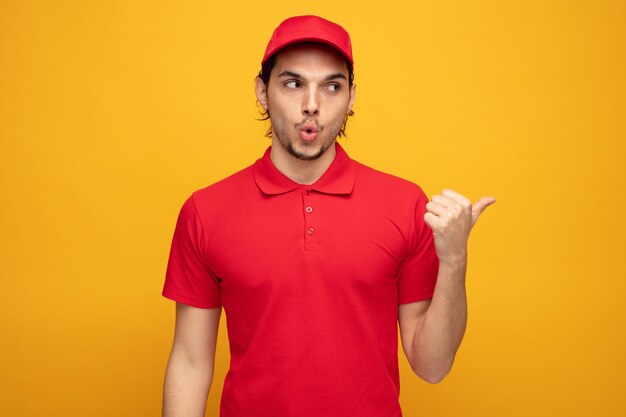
[[287, 142], [305, 157]]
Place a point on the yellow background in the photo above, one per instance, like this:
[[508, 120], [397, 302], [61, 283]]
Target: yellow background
[[113, 112]]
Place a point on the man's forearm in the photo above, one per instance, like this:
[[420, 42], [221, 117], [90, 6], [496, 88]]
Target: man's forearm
[[441, 330], [185, 389]]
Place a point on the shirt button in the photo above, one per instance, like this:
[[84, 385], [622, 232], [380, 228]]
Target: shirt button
[[308, 209], [310, 230]]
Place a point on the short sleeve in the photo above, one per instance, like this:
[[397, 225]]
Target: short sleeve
[[418, 272], [188, 279]]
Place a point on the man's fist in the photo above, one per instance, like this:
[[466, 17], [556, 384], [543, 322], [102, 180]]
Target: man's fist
[[451, 217]]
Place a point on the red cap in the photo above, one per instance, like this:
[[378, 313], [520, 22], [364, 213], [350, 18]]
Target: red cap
[[309, 29]]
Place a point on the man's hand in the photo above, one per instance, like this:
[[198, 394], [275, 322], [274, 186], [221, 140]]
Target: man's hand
[[451, 217], [432, 333]]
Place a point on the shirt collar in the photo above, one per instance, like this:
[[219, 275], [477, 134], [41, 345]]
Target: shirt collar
[[337, 179]]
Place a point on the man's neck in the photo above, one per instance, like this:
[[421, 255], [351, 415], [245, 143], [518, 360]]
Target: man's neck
[[297, 170]]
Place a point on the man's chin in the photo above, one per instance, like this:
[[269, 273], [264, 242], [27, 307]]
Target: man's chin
[[306, 155]]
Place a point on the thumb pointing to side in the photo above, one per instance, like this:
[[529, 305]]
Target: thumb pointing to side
[[480, 206]]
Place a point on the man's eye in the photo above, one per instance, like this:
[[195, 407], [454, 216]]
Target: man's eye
[[292, 84], [334, 87]]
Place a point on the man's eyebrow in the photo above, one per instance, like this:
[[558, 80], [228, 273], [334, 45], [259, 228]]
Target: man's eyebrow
[[334, 76], [289, 74]]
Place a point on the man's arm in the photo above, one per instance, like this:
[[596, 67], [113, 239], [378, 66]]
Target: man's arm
[[432, 330], [190, 367]]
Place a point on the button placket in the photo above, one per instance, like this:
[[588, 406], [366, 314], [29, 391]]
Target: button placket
[[311, 233]]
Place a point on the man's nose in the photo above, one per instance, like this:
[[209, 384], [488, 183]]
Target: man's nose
[[311, 106]]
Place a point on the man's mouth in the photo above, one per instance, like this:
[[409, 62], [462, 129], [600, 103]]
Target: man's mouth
[[308, 131]]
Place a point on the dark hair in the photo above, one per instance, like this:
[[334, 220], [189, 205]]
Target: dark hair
[[264, 75]]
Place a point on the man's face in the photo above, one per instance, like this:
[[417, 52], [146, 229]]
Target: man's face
[[308, 98]]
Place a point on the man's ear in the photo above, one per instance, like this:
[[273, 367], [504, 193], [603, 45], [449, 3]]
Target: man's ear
[[352, 98], [261, 92]]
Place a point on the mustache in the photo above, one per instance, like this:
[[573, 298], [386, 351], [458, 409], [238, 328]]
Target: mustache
[[309, 122]]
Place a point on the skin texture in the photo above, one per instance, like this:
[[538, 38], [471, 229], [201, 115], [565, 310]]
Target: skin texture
[[189, 372], [432, 330], [309, 84]]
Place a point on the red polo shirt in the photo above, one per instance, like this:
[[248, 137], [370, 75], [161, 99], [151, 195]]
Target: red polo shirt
[[310, 278]]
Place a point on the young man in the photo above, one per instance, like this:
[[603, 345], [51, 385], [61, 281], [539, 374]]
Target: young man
[[315, 259]]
